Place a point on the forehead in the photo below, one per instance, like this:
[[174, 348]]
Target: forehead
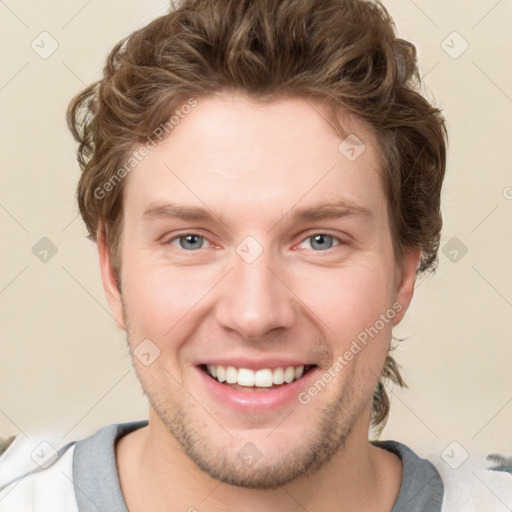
[[235, 153]]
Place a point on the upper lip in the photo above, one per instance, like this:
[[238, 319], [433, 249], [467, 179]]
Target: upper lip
[[255, 363]]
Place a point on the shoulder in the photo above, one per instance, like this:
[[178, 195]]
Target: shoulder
[[36, 472], [473, 481], [452, 479], [40, 474]]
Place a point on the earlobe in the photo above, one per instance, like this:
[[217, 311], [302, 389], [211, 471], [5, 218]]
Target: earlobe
[[109, 279], [405, 287]]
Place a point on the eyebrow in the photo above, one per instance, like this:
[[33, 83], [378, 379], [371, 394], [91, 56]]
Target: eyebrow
[[318, 212], [169, 210], [330, 211]]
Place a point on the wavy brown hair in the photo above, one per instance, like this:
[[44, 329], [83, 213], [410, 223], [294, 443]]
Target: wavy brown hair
[[344, 53]]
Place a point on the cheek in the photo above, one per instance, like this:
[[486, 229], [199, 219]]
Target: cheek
[[353, 307], [159, 304], [347, 300], [159, 297]]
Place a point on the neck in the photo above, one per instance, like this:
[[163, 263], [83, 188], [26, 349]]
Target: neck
[[156, 474]]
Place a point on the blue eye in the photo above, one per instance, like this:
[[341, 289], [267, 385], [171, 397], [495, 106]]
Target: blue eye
[[189, 242], [193, 241], [321, 241]]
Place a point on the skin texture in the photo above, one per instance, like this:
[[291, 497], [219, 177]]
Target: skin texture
[[250, 165]]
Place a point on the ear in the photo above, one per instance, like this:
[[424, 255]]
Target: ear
[[109, 279], [405, 283]]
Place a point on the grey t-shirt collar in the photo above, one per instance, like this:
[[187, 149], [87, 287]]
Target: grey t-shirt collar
[[422, 489], [97, 486]]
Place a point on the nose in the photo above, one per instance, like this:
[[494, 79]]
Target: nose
[[255, 298]]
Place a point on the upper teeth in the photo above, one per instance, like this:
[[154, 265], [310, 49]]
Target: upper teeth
[[263, 378]]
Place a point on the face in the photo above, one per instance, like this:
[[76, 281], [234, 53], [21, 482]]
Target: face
[[251, 244]]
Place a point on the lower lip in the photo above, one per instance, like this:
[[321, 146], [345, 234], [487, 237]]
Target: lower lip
[[257, 401]]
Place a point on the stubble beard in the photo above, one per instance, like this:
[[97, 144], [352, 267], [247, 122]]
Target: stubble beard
[[335, 421], [325, 440]]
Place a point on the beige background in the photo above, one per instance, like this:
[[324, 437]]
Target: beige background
[[64, 366]]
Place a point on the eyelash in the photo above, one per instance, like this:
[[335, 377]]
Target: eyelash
[[183, 235]]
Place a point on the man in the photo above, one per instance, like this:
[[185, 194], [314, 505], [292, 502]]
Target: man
[[263, 183]]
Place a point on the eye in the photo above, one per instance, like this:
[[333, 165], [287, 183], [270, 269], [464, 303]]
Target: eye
[[322, 241], [188, 241]]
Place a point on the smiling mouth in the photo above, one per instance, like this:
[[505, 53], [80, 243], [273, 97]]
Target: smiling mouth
[[265, 379]]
